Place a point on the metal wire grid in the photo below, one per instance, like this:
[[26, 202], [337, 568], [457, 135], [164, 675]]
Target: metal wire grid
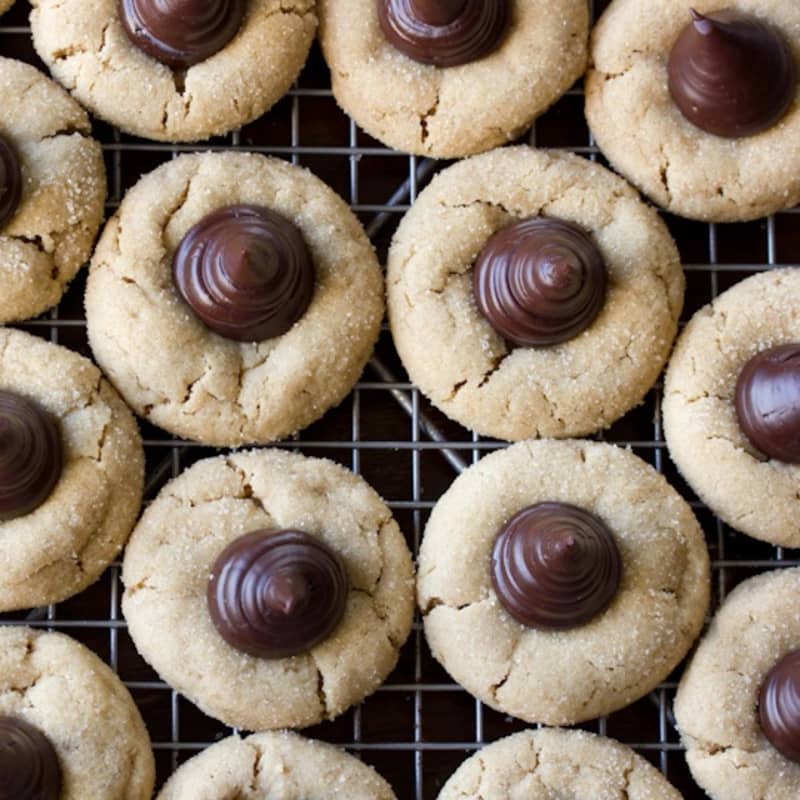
[[442, 718]]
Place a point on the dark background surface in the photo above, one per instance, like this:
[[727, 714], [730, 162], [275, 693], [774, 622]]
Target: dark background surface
[[419, 727]]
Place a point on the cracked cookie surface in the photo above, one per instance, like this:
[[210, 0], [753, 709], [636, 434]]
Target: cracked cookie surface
[[454, 111], [63, 689], [64, 545], [716, 707], [168, 563], [621, 654], [275, 766], [757, 495], [644, 135], [85, 46], [50, 236], [183, 377], [463, 365], [552, 764]]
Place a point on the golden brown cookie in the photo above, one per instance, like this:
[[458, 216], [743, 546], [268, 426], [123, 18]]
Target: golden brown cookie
[[752, 492], [717, 704], [618, 654], [69, 696], [458, 359], [49, 235], [275, 765], [454, 111], [645, 136], [64, 544], [86, 47], [178, 373], [214, 504], [553, 764]]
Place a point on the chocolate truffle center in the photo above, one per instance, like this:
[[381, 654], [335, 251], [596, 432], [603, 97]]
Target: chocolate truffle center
[[10, 181], [277, 593], [555, 566], [444, 33], [779, 706], [31, 455], [181, 33], [732, 74], [768, 402], [246, 272], [539, 281], [29, 767]]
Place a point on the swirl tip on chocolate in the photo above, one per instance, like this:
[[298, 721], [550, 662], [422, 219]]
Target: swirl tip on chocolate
[[444, 33], [767, 400], [539, 281], [181, 33], [277, 593], [29, 768], [555, 566], [31, 455], [779, 706], [246, 272], [731, 74]]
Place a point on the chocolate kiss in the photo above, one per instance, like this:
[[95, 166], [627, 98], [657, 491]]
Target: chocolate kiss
[[732, 74]]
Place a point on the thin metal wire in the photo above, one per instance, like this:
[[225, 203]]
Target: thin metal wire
[[425, 440]]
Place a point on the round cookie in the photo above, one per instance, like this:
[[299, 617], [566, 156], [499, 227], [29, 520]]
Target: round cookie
[[645, 136], [553, 764], [49, 235], [757, 495], [64, 545], [716, 707], [217, 501], [625, 650], [68, 694], [449, 112], [459, 360], [175, 371], [272, 765], [88, 51]]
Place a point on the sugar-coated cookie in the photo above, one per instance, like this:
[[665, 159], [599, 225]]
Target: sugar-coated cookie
[[594, 347], [275, 765], [187, 72], [749, 484], [553, 763], [52, 190], [273, 590], [69, 729], [272, 338], [742, 68], [494, 92], [736, 705], [577, 581], [71, 472]]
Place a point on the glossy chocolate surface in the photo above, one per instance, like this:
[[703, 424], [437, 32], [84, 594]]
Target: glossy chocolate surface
[[779, 706], [444, 33], [555, 566], [540, 281], [732, 74], [31, 455], [277, 593], [181, 33], [10, 181], [768, 402], [246, 272], [29, 767]]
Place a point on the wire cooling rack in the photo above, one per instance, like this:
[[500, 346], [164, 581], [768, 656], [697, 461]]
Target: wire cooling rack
[[419, 726]]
